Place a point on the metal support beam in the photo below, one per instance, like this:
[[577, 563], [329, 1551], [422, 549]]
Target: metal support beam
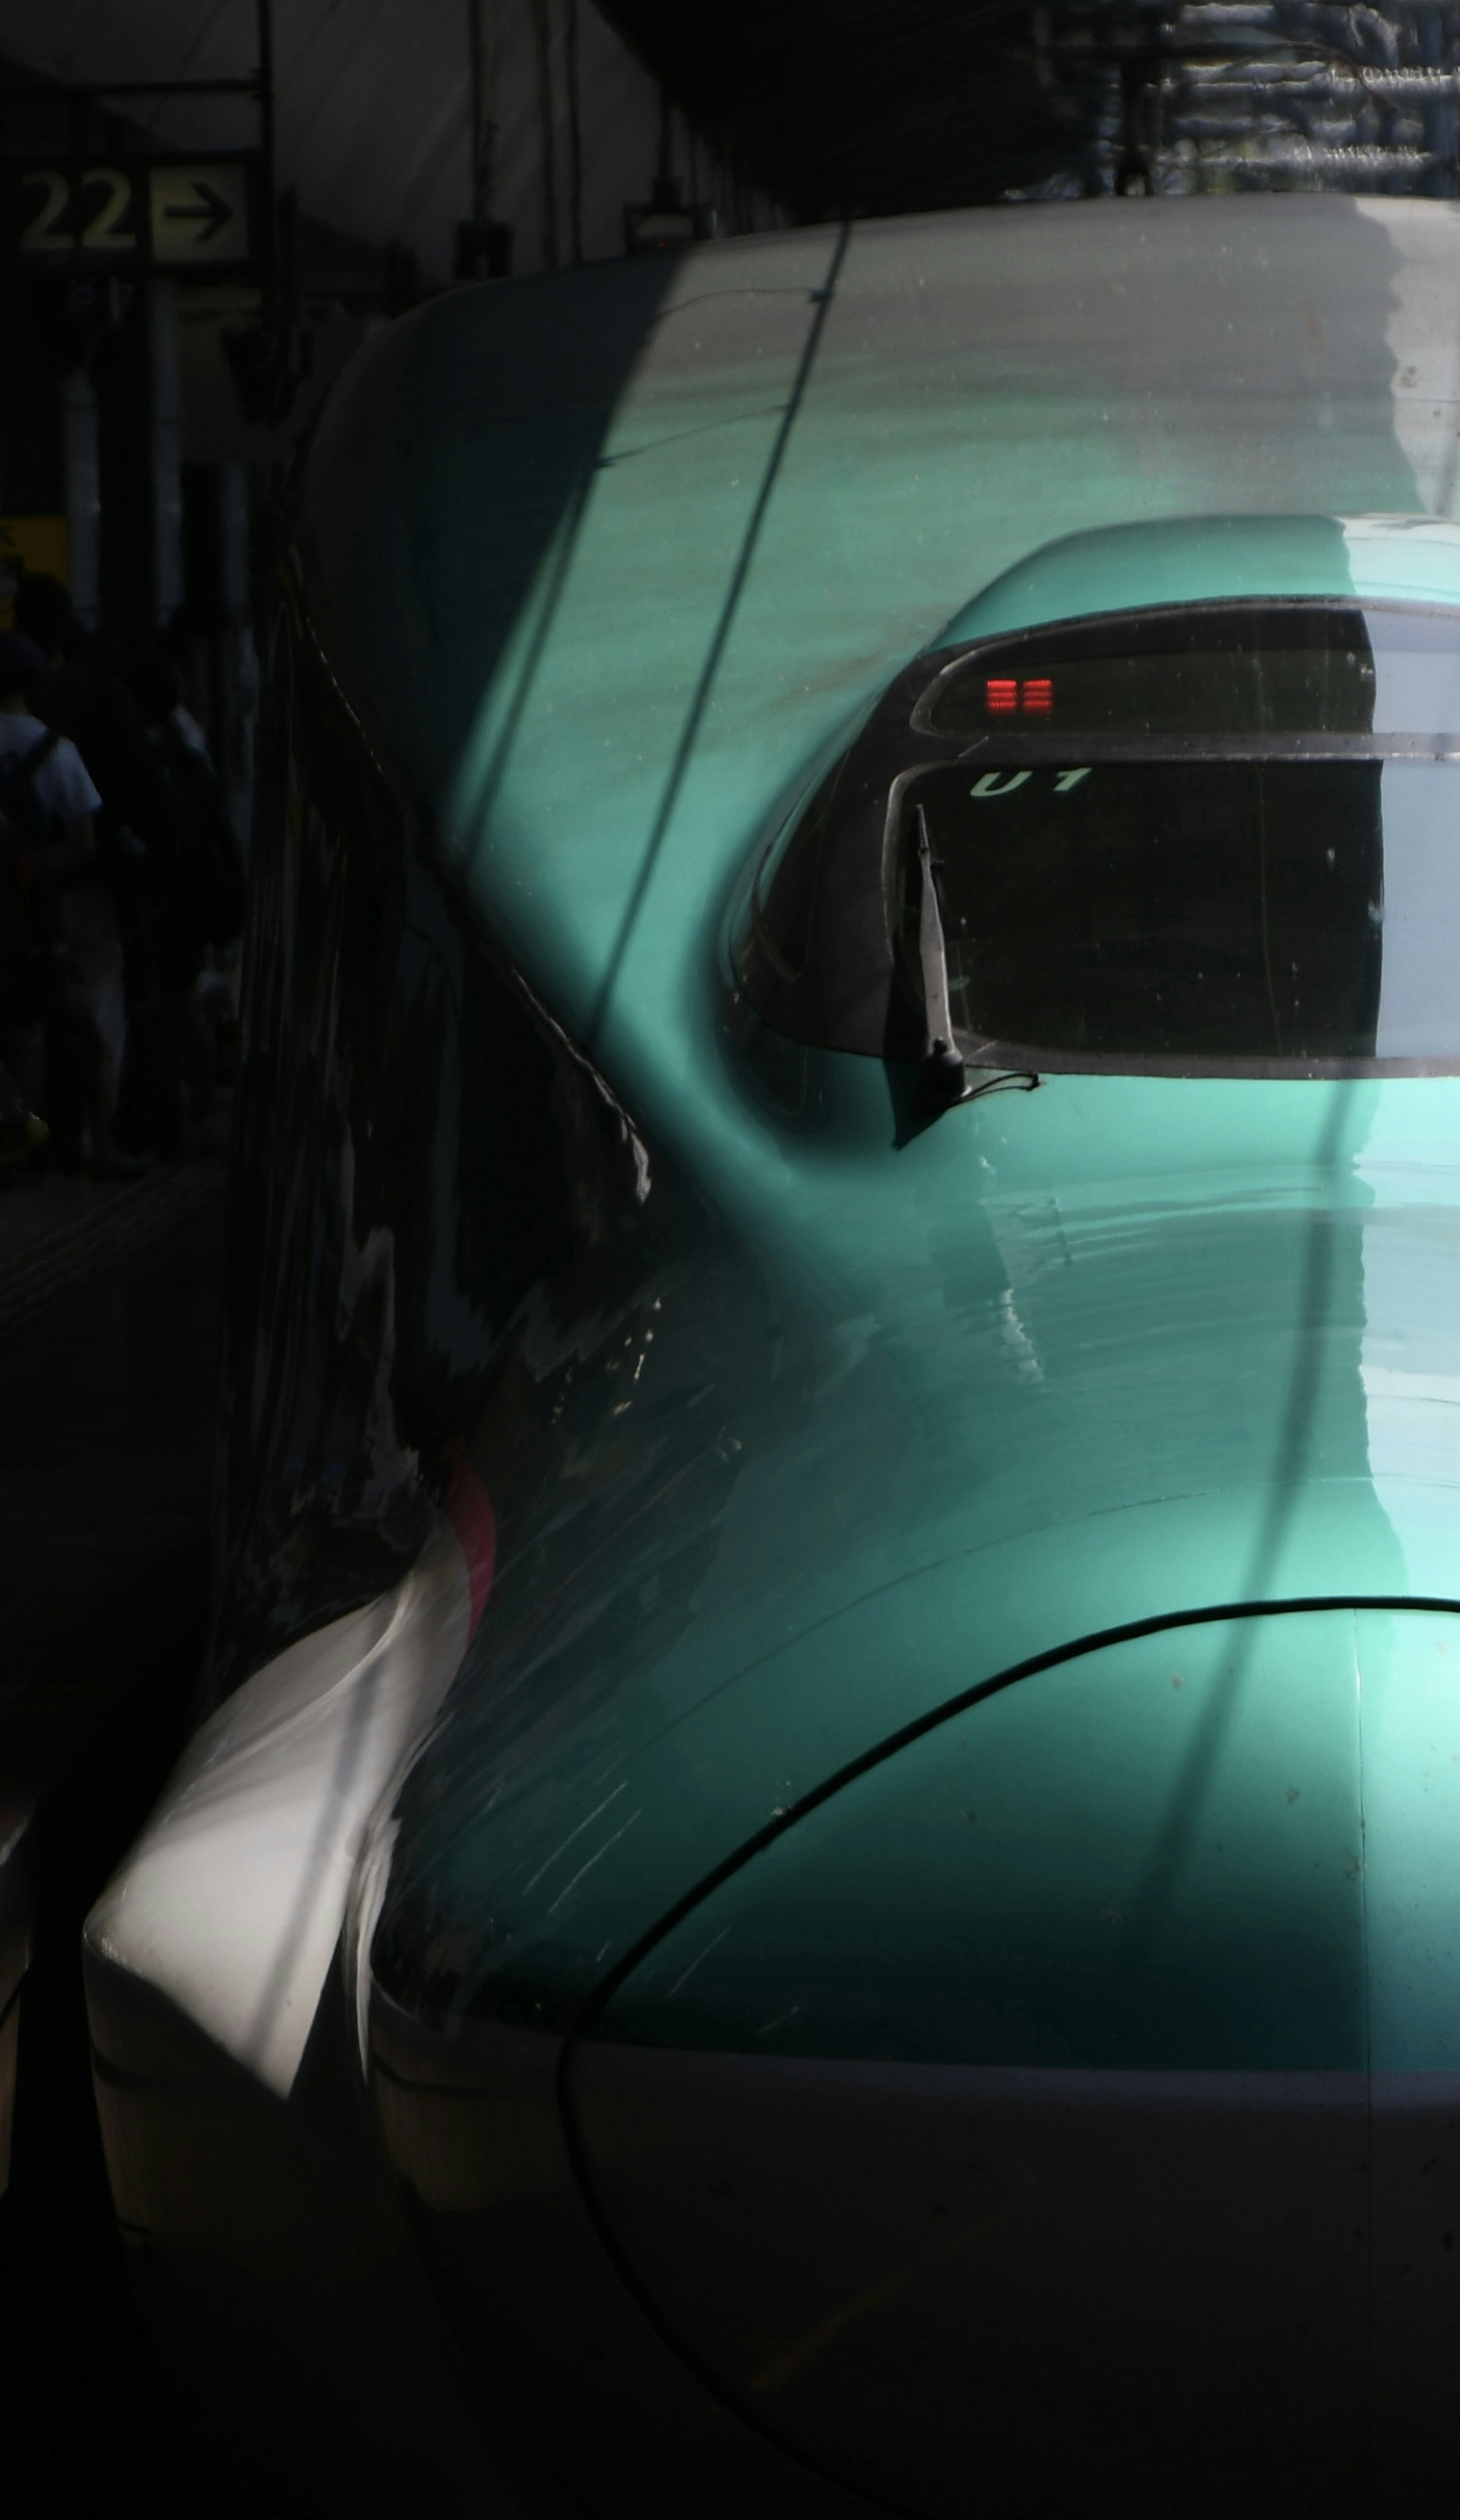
[[165, 430], [81, 447], [239, 660]]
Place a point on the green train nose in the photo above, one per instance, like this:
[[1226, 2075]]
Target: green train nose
[[1229, 1846], [1079, 2082]]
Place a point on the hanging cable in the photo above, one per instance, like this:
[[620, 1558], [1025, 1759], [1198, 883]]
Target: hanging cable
[[575, 137], [542, 29]]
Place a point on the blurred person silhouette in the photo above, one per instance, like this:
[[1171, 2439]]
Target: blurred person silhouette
[[23, 1132], [90, 706], [207, 882], [55, 1041], [89, 691], [203, 912]]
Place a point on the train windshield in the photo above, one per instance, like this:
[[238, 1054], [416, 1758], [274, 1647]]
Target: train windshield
[[1204, 837], [1226, 911]]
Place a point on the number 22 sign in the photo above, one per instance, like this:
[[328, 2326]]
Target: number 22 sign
[[107, 223], [129, 215]]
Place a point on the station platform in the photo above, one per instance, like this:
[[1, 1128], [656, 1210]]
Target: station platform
[[109, 1301], [59, 1232]]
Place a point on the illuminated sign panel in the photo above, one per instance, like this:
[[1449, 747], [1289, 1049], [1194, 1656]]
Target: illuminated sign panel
[[129, 214]]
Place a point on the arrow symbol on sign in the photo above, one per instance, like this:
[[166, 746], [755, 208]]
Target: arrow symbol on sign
[[210, 206]]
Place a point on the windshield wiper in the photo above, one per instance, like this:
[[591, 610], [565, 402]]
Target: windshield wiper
[[942, 1080]]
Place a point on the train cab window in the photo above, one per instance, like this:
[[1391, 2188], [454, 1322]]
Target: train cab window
[[1213, 910], [1213, 838]]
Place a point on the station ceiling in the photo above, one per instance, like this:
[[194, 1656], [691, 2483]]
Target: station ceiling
[[373, 122], [860, 107], [874, 107], [825, 108]]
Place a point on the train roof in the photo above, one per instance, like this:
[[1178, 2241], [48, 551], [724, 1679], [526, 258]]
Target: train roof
[[607, 559]]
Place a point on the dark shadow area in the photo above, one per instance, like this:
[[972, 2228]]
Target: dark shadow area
[[876, 108], [302, 2371], [437, 511], [108, 1406], [871, 107], [67, 2306]]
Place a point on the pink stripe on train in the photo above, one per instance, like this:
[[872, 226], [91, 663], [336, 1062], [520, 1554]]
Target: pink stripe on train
[[468, 1510]]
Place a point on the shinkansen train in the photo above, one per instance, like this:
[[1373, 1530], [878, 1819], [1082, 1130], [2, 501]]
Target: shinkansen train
[[821, 1871]]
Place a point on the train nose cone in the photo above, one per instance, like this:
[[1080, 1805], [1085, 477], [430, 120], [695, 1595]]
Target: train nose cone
[[1073, 2095]]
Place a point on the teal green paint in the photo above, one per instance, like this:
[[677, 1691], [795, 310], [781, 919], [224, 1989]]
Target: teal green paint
[[1409, 1712], [983, 385], [1116, 567], [1150, 1858], [1199, 560], [1232, 1847], [1114, 1351], [1051, 1405]]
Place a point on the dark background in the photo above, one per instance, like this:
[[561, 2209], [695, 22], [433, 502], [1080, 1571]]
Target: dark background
[[828, 109]]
